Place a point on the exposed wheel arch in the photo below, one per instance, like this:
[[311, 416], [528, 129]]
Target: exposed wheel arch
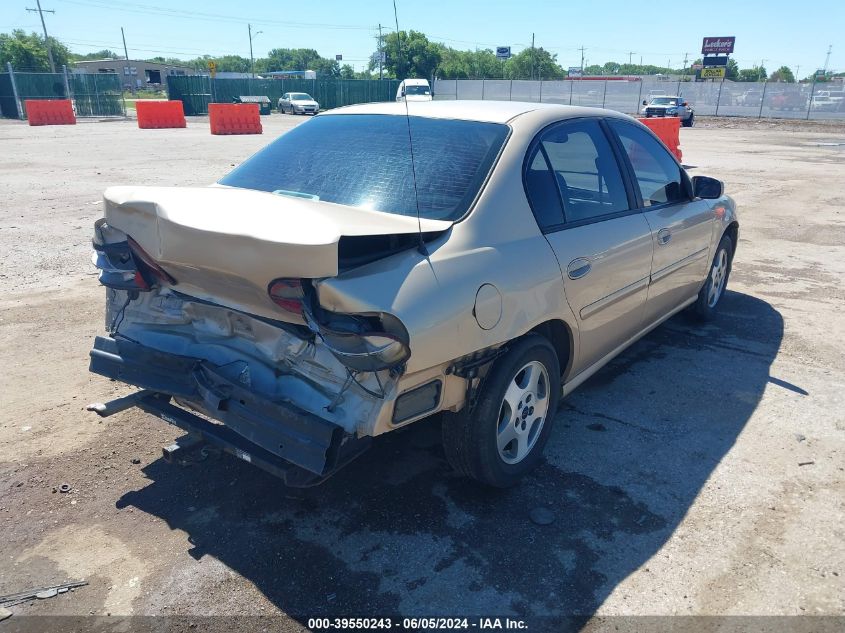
[[560, 335]]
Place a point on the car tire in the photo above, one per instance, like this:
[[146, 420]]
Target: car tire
[[690, 121], [711, 293], [502, 438]]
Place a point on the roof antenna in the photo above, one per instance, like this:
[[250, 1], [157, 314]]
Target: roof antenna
[[421, 244]]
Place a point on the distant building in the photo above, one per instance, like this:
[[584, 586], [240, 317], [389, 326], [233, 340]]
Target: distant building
[[133, 73]]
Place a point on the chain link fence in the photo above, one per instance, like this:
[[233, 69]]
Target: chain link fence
[[92, 95], [197, 91], [743, 99]]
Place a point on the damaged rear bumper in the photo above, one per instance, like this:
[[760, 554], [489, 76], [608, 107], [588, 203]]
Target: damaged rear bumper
[[280, 437]]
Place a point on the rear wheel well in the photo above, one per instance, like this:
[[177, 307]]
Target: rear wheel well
[[560, 336]]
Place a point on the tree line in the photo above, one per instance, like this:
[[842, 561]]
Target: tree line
[[405, 54]]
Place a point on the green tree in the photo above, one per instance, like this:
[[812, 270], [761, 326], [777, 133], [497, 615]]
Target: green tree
[[297, 59], [758, 73], [536, 63], [410, 54], [732, 70], [783, 74], [29, 52], [347, 72], [103, 54], [478, 64]]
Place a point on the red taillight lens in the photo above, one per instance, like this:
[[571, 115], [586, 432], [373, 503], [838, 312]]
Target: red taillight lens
[[149, 263], [287, 294]]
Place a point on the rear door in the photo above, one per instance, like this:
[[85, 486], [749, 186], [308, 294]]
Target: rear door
[[602, 242], [682, 228]]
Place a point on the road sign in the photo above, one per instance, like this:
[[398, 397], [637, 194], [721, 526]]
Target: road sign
[[212, 68], [503, 52], [338, 58], [713, 72], [718, 45]]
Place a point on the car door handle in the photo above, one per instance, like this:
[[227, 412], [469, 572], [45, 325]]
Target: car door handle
[[663, 236], [578, 268]]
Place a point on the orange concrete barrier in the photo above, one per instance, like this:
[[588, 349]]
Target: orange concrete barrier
[[234, 118], [667, 130], [160, 114], [49, 112]]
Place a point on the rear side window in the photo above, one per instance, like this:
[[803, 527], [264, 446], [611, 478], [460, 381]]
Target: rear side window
[[364, 160], [657, 173], [542, 192], [581, 166]]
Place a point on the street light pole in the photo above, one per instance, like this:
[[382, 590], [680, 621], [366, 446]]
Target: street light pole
[[251, 57]]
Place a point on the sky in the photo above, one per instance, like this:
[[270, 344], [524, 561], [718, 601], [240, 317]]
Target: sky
[[779, 32]]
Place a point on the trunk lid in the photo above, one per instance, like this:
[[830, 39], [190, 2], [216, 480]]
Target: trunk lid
[[226, 245]]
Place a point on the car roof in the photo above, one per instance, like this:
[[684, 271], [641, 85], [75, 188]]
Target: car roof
[[482, 111]]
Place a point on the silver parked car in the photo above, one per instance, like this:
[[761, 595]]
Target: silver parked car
[[335, 286], [669, 106], [298, 103]]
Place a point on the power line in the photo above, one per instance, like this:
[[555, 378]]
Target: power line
[[200, 15]]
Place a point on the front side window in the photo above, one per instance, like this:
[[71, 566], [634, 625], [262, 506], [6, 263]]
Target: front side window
[[657, 173], [364, 160]]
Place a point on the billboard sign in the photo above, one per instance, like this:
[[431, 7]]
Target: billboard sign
[[712, 45], [574, 71], [338, 58], [713, 72], [716, 60], [503, 52]]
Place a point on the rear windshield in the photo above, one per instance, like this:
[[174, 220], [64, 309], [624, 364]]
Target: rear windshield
[[363, 160], [417, 90]]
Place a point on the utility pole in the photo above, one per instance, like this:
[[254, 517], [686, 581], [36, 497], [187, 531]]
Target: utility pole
[[41, 13], [582, 49], [251, 57], [533, 55], [826, 59], [760, 70], [797, 76], [684, 75], [125, 51], [630, 56], [379, 53]]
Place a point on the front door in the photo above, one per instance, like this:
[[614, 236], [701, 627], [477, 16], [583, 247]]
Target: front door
[[682, 228], [603, 245]]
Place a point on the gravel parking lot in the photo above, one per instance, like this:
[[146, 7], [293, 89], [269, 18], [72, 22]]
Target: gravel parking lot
[[701, 473]]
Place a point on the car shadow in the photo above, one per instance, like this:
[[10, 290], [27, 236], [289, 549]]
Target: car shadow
[[397, 533]]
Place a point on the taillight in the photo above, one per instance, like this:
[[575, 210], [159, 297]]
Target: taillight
[[287, 294], [149, 265]]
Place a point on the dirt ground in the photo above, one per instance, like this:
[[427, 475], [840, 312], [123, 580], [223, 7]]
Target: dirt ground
[[701, 473]]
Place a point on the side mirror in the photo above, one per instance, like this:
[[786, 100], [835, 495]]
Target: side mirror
[[645, 102], [707, 188], [685, 104], [402, 94]]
